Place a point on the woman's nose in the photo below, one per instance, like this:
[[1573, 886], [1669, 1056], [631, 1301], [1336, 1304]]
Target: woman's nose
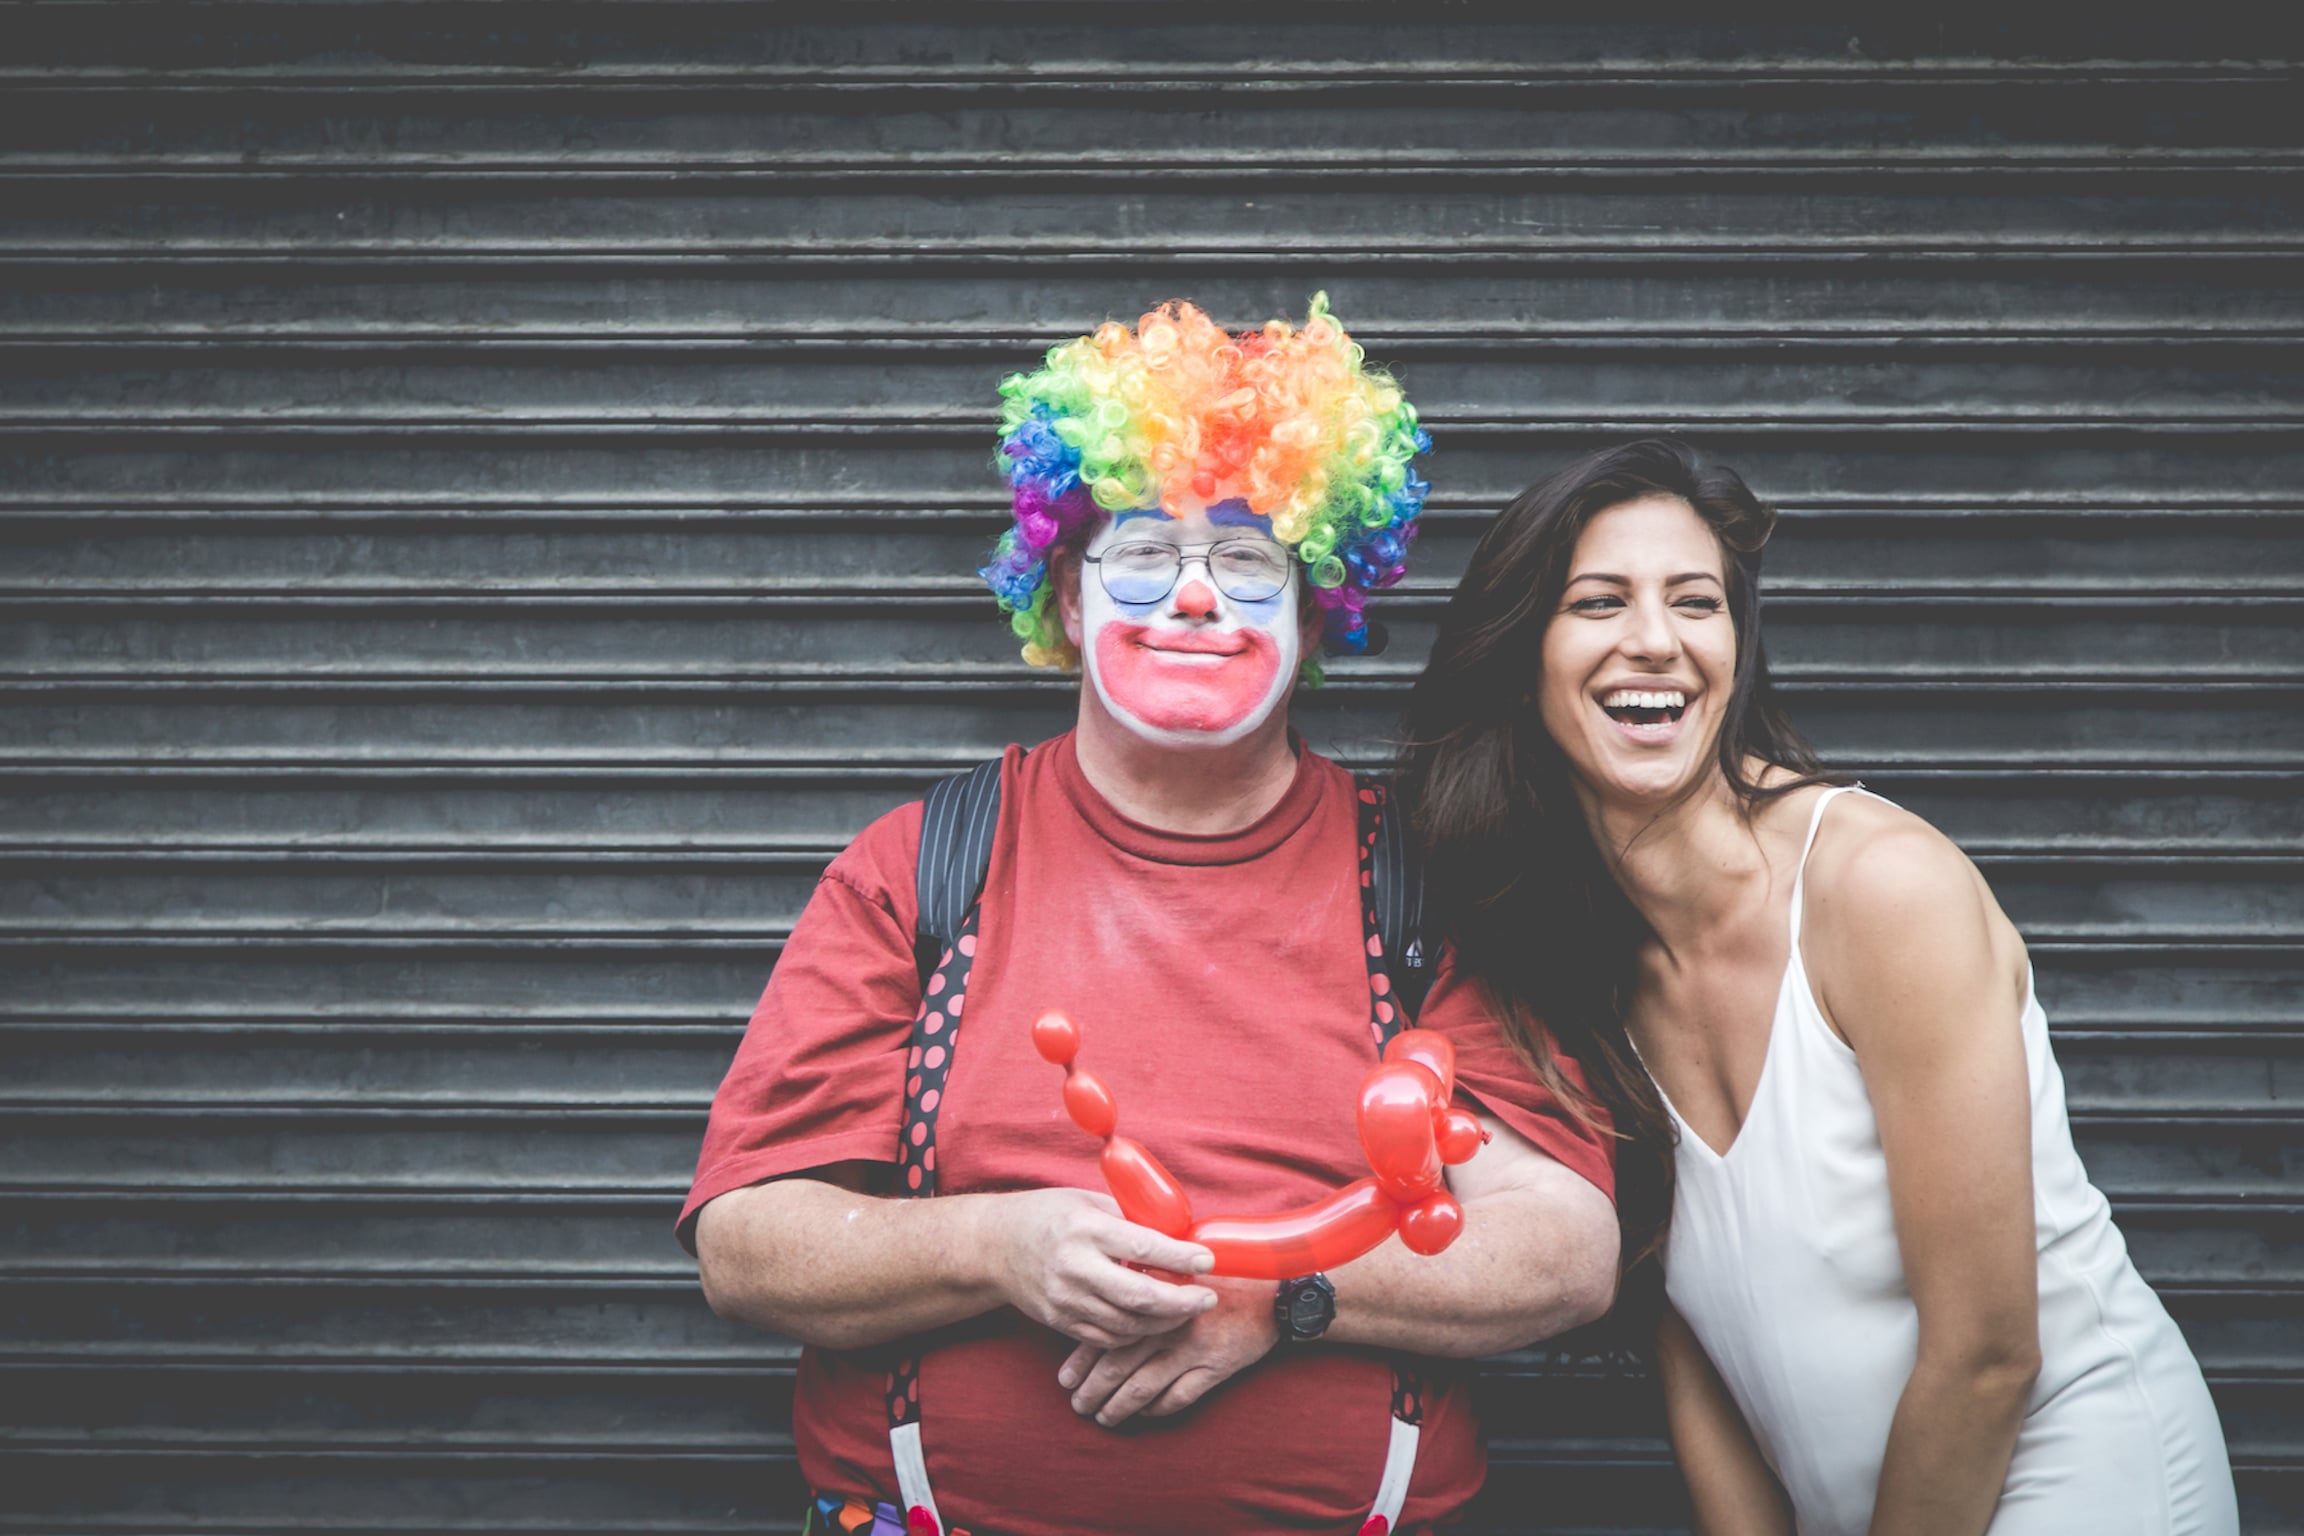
[[1652, 637]]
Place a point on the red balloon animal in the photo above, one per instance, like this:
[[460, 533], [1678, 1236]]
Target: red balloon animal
[[1407, 1128]]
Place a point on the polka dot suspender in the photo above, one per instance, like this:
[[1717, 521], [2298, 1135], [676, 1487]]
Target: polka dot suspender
[[1387, 1016], [935, 1035], [928, 1067]]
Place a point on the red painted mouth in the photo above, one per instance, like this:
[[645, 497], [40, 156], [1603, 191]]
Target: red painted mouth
[[1191, 641], [1185, 679]]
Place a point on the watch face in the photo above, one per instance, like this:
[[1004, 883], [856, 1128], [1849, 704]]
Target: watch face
[[1310, 1307]]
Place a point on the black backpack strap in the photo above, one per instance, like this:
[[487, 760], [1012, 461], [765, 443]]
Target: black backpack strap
[[1396, 894], [957, 823]]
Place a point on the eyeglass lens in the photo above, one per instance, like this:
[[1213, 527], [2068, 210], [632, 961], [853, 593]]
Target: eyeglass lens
[[1244, 570]]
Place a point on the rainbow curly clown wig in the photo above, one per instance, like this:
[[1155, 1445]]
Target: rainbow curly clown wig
[[1287, 417]]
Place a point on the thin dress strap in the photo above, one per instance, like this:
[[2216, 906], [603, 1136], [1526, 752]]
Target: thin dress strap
[[1800, 875]]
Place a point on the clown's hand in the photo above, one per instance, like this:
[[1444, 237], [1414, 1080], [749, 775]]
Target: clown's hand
[[1063, 1258], [1170, 1372]]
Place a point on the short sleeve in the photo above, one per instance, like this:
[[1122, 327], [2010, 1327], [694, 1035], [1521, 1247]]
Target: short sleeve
[[1498, 1079], [819, 1077]]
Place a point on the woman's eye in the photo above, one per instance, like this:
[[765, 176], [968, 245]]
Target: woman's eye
[[1701, 604], [1601, 604]]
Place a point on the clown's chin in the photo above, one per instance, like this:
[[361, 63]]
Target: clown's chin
[[1187, 692]]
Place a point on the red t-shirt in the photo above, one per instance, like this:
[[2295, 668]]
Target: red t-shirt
[[1222, 994]]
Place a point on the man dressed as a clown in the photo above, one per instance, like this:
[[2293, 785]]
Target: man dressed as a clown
[[1197, 516]]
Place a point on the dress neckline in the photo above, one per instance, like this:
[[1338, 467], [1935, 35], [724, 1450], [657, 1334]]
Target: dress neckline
[[1793, 966]]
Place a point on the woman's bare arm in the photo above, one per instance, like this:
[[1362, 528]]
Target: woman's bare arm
[[1729, 1483], [1923, 976]]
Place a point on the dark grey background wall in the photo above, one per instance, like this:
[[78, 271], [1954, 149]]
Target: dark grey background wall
[[487, 494]]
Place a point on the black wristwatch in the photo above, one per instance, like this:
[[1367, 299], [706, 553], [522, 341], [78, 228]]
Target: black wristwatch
[[1304, 1307]]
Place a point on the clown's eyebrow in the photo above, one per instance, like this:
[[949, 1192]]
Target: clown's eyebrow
[[1137, 512], [1234, 513]]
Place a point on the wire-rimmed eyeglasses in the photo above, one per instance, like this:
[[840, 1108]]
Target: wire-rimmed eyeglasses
[[1146, 570]]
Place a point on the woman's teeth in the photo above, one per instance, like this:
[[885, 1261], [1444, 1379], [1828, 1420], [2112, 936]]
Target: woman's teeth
[[1642, 706]]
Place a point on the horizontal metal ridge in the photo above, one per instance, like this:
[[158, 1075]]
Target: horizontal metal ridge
[[1262, 74], [666, 1196], [758, 1446], [892, 770], [751, 1451], [539, 939], [636, 1015], [1168, 164], [395, 1108], [681, 1111], [1685, 246], [289, 1193], [1981, 256], [658, 1523], [973, 423], [676, 1276], [1811, 335], [581, 1282]]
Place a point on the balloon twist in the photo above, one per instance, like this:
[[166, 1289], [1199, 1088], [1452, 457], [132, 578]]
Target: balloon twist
[[1407, 1127]]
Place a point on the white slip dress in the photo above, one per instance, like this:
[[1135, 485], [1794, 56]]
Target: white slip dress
[[1782, 1257]]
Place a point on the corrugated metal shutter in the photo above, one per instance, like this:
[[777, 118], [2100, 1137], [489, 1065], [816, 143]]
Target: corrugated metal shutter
[[486, 499]]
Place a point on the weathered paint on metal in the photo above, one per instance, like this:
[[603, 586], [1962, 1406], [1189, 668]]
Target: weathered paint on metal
[[487, 494]]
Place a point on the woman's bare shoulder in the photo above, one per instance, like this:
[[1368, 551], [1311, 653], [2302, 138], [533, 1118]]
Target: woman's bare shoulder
[[1892, 903], [1870, 851]]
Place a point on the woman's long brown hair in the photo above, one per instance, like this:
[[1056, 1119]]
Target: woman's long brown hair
[[1512, 874]]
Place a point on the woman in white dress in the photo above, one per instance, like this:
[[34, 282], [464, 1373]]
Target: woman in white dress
[[1894, 1303]]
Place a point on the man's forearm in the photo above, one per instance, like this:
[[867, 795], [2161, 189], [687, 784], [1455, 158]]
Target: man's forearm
[[841, 1269], [1529, 1264]]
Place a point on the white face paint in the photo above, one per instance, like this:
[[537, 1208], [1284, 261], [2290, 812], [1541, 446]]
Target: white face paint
[[1195, 668]]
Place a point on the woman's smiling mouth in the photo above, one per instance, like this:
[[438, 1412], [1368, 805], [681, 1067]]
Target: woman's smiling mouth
[[1650, 714]]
